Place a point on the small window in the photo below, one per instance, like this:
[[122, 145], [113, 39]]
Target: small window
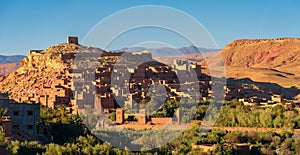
[[30, 127], [16, 127], [16, 113], [30, 113]]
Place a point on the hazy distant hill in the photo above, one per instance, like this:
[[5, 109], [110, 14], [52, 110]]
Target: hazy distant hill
[[10, 59], [195, 57], [7, 68], [167, 51], [262, 60], [167, 55], [268, 60], [194, 49], [9, 63]]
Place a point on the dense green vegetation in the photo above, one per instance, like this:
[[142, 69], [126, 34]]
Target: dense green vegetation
[[62, 126], [167, 109], [70, 136], [223, 142], [234, 114]]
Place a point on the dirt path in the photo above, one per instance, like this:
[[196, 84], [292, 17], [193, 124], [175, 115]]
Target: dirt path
[[277, 130], [254, 129], [249, 129]]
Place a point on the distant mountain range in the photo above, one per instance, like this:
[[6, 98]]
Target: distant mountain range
[[11, 59], [9, 63], [263, 62], [7, 68], [164, 51], [167, 51]]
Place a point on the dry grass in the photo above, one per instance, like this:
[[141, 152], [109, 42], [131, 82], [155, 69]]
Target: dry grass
[[264, 75]]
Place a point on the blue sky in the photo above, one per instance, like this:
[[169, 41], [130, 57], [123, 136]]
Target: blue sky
[[26, 25]]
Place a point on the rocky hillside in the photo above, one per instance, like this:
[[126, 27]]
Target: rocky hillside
[[41, 73], [268, 53], [263, 60]]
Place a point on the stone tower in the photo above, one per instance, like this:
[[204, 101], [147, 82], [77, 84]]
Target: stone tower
[[72, 40]]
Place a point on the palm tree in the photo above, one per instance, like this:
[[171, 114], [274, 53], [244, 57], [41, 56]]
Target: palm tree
[[3, 112]]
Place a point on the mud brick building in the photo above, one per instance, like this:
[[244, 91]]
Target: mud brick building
[[90, 82], [133, 74], [22, 116]]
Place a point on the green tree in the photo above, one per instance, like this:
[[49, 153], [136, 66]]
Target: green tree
[[14, 146], [55, 149], [278, 121], [3, 112], [112, 116], [297, 122], [265, 118], [289, 117]]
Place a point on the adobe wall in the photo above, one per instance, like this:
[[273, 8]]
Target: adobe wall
[[161, 120], [7, 127], [120, 116]]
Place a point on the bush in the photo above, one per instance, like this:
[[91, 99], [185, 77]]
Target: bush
[[112, 116]]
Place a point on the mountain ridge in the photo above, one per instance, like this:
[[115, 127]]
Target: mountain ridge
[[11, 59], [168, 51], [275, 60]]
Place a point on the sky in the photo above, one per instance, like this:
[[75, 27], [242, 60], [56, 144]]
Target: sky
[[26, 25]]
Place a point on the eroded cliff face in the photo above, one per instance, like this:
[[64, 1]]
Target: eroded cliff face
[[262, 60], [283, 52]]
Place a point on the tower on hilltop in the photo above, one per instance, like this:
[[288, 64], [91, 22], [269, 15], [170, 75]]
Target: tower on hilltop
[[72, 40]]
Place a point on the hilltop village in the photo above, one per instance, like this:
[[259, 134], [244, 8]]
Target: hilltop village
[[76, 76]]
